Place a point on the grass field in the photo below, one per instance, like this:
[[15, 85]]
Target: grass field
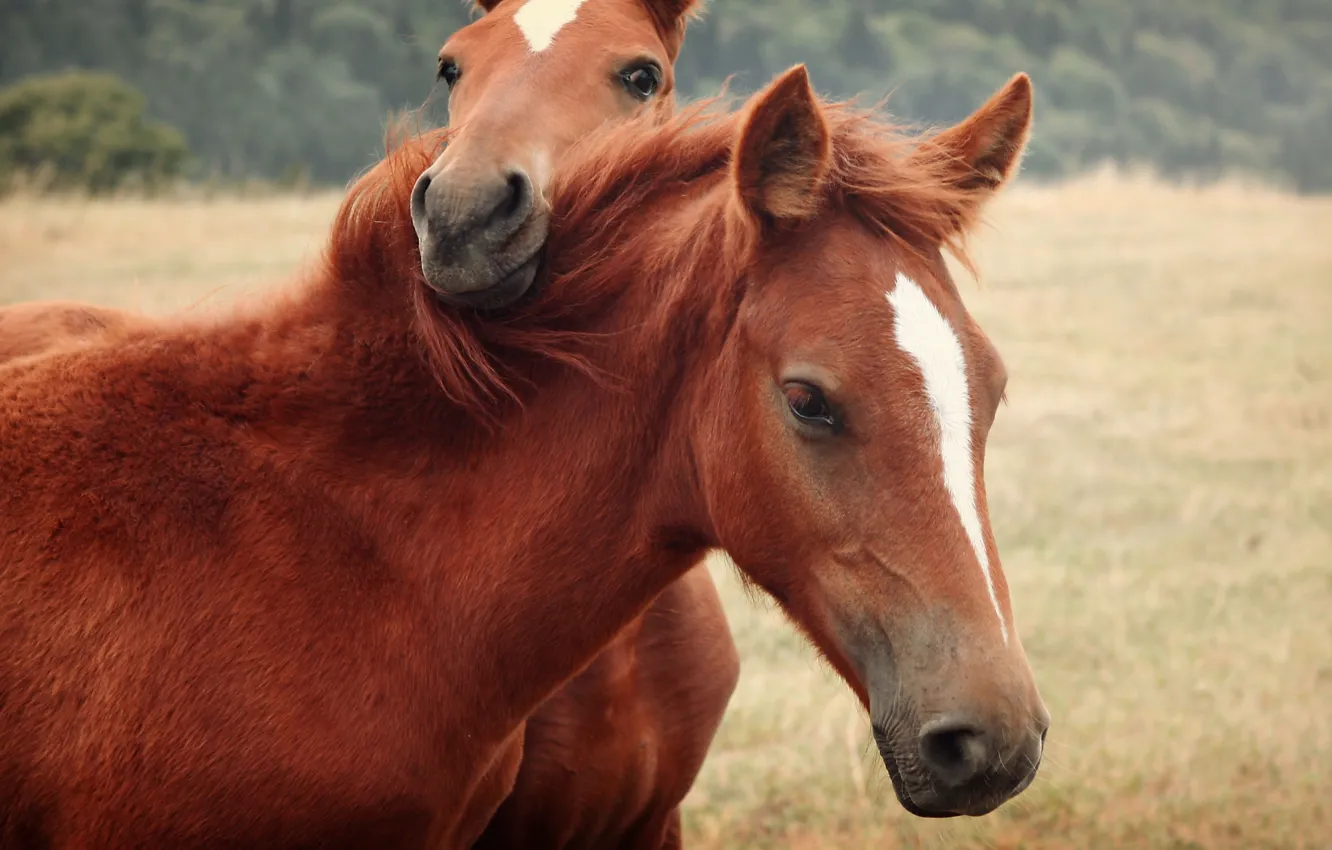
[[1161, 488]]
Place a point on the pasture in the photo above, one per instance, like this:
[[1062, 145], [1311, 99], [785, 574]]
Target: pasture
[[1160, 485]]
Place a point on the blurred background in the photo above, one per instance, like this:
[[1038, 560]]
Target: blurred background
[[299, 89], [1159, 282]]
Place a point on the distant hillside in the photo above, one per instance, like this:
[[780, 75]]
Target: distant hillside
[[1189, 87]]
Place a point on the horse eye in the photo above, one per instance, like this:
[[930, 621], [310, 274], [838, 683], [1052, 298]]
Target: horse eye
[[448, 72], [809, 404], [642, 81]]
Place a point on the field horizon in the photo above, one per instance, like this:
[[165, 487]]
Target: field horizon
[[1160, 484]]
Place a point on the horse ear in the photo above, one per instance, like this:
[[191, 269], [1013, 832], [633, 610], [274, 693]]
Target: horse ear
[[784, 152], [671, 11], [983, 152], [672, 17]]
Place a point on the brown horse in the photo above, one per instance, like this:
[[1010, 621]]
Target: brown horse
[[266, 582], [526, 81], [608, 758]]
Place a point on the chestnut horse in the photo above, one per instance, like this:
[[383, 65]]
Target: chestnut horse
[[607, 759], [266, 582], [525, 82]]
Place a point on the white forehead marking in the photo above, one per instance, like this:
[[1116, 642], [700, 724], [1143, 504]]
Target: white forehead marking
[[925, 334], [540, 20]]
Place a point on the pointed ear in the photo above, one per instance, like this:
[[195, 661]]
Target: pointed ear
[[486, 5], [672, 17], [782, 156], [983, 152], [674, 10]]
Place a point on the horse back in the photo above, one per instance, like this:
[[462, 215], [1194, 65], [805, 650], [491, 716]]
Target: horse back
[[36, 327]]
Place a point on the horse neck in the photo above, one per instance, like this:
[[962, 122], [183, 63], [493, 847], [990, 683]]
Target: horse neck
[[325, 367], [563, 526], [524, 549]]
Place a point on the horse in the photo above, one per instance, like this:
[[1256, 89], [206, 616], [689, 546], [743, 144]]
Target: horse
[[271, 579], [637, 723], [563, 66]]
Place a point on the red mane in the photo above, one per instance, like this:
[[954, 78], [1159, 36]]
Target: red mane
[[895, 183]]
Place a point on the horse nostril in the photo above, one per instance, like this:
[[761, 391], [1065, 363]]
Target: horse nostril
[[517, 200], [954, 750], [1042, 723], [418, 200]]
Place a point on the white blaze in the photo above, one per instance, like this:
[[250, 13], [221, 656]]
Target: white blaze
[[540, 20], [925, 334]]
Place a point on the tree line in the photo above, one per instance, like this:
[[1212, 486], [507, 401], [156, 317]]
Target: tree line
[[272, 88]]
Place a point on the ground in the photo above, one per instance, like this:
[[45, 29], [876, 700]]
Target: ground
[[1161, 492]]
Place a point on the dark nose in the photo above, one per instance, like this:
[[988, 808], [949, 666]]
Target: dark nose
[[478, 213], [955, 750]]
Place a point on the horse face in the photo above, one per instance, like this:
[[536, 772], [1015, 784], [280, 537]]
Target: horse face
[[849, 434], [527, 81]]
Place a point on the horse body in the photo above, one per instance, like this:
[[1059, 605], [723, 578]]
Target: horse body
[[611, 754], [132, 744], [274, 580], [289, 544], [694, 676]]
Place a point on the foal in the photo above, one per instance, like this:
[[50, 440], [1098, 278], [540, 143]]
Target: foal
[[265, 583], [606, 760]]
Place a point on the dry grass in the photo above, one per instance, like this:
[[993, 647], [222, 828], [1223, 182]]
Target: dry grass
[[1161, 483], [156, 256]]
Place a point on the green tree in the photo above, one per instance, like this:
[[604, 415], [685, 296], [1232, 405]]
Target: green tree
[[265, 87], [85, 130]]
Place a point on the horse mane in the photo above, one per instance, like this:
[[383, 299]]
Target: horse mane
[[372, 248], [894, 182], [892, 179]]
